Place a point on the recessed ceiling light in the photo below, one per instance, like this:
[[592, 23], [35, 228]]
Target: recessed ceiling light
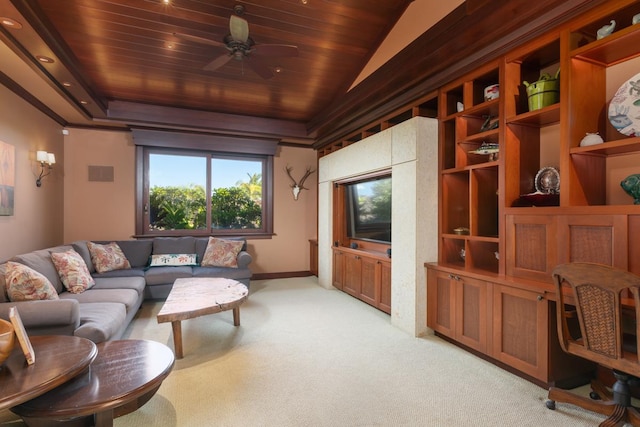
[[44, 59], [10, 23], [66, 84], [278, 69], [83, 102]]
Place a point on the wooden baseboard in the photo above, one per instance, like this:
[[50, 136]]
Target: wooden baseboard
[[282, 275]]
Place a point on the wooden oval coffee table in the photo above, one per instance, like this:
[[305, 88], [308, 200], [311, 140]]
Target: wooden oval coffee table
[[122, 378], [58, 360], [198, 296]]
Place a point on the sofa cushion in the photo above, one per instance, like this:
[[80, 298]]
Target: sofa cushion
[[136, 283], [127, 297], [166, 275], [172, 260], [100, 321], [26, 284], [80, 246], [174, 245], [221, 253], [225, 272], [136, 251], [72, 271], [131, 272], [41, 262], [107, 257]]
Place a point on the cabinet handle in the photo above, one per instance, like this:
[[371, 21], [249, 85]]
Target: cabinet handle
[[357, 256], [539, 297]]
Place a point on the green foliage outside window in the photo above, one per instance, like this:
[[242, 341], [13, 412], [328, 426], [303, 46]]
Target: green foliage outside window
[[184, 207]]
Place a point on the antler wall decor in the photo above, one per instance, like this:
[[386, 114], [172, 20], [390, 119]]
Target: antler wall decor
[[298, 186]]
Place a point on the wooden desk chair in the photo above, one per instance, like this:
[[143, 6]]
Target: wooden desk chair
[[596, 290]]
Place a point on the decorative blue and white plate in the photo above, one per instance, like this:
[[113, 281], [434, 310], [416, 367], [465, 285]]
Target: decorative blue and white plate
[[624, 109]]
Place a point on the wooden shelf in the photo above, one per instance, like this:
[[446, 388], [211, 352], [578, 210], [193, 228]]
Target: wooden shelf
[[611, 148], [489, 135], [618, 47], [543, 117]]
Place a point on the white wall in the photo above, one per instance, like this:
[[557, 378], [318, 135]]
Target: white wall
[[410, 149]]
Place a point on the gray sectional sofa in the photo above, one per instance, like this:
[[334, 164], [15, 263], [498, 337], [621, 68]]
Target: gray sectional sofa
[[104, 311]]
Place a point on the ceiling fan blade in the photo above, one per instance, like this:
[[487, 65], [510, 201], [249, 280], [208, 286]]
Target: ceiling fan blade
[[239, 28], [259, 67], [275, 50], [217, 63], [197, 39]]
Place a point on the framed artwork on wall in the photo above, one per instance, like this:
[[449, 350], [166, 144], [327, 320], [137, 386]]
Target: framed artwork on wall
[[7, 178]]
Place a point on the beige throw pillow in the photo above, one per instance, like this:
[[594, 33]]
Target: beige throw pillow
[[73, 271], [107, 257], [221, 253], [26, 284]]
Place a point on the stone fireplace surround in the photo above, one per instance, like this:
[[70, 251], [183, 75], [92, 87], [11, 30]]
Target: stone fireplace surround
[[410, 150]]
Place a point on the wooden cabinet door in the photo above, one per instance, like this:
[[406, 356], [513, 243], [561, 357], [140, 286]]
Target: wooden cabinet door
[[338, 269], [385, 286], [441, 292], [313, 257], [370, 281], [593, 238], [471, 312], [532, 246], [352, 274], [520, 330]]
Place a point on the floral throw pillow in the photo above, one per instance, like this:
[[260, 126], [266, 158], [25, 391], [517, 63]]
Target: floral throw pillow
[[73, 271], [221, 253], [26, 284], [172, 260], [107, 257]]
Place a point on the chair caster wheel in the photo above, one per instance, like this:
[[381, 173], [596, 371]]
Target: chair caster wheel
[[551, 404], [593, 395]]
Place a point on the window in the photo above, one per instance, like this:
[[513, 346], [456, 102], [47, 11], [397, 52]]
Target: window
[[188, 192]]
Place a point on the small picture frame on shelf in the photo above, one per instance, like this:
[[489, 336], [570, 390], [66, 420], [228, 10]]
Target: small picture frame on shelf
[[21, 333]]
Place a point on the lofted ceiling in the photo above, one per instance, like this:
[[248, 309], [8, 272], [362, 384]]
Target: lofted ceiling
[[121, 56]]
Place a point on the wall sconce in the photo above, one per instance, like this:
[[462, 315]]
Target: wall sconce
[[44, 157]]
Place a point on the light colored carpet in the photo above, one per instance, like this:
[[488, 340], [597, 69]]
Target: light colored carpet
[[307, 356]]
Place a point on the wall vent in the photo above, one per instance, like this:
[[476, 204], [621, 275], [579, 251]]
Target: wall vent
[[101, 173]]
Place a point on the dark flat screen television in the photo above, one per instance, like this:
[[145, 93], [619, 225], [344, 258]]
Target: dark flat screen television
[[368, 204]]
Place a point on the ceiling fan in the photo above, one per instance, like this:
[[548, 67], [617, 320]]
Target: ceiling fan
[[241, 47]]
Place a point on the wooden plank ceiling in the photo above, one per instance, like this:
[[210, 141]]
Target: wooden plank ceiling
[[130, 50]]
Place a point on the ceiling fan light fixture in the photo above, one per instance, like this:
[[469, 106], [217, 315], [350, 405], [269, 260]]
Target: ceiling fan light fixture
[[239, 28]]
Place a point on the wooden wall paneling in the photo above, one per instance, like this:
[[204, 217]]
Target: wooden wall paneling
[[583, 175], [634, 243]]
